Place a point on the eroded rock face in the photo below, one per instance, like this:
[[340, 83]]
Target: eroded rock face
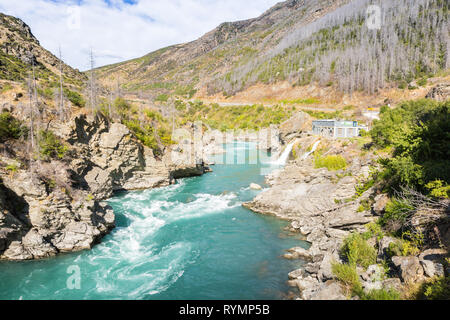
[[112, 159], [293, 127], [57, 207], [49, 222]]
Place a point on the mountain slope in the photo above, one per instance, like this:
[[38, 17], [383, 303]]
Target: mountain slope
[[302, 42], [197, 63], [20, 50]]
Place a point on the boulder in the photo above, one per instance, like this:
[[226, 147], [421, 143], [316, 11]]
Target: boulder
[[308, 287], [299, 273], [16, 251], [312, 268], [436, 255], [371, 285], [383, 246], [379, 206], [428, 268], [298, 253], [255, 186], [431, 261], [432, 269], [325, 270], [440, 92], [410, 269], [439, 270], [37, 246], [373, 273], [331, 290], [392, 284]]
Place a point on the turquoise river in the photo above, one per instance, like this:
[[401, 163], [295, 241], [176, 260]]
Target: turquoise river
[[191, 240]]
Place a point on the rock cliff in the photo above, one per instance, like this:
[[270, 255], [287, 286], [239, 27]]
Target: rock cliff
[[57, 206]]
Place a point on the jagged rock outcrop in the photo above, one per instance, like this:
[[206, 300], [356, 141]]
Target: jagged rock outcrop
[[110, 158], [57, 206], [39, 222], [293, 127]]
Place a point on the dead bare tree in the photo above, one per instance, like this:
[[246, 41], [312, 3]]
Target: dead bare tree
[[418, 210], [61, 91]]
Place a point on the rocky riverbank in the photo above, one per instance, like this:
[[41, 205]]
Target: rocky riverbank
[[314, 201], [325, 208]]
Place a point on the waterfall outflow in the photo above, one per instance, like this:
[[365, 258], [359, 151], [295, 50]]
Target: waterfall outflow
[[285, 155], [314, 148]]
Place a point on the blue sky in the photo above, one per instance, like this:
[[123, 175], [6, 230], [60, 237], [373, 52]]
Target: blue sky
[[118, 30]]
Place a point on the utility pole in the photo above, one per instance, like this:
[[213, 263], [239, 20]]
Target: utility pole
[[30, 94], [92, 82], [118, 93], [173, 116], [110, 104], [36, 103]]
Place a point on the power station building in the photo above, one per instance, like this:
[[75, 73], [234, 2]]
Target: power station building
[[337, 128]]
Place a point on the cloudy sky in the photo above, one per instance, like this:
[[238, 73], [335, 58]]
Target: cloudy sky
[[118, 30]]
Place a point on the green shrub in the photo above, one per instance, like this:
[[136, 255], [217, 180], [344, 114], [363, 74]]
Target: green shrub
[[12, 168], [122, 105], [436, 289], [373, 230], [381, 294], [10, 128], [422, 82], [75, 98], [347, 274], [50, 145], [438, 189], [402, 247], [332, 163], [360, 188], [154, 115], [396, 212], [357, 251], [419, 133], [409, 244], [162, 98], [6, 87]]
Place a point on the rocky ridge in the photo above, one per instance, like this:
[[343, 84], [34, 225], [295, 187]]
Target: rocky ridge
[[17, 41]]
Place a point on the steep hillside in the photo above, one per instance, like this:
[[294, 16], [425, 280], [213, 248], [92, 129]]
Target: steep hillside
[[19, 50], [321, 42], [185, 68]]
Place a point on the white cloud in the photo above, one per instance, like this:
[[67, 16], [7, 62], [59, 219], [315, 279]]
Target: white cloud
[[119, 31]]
